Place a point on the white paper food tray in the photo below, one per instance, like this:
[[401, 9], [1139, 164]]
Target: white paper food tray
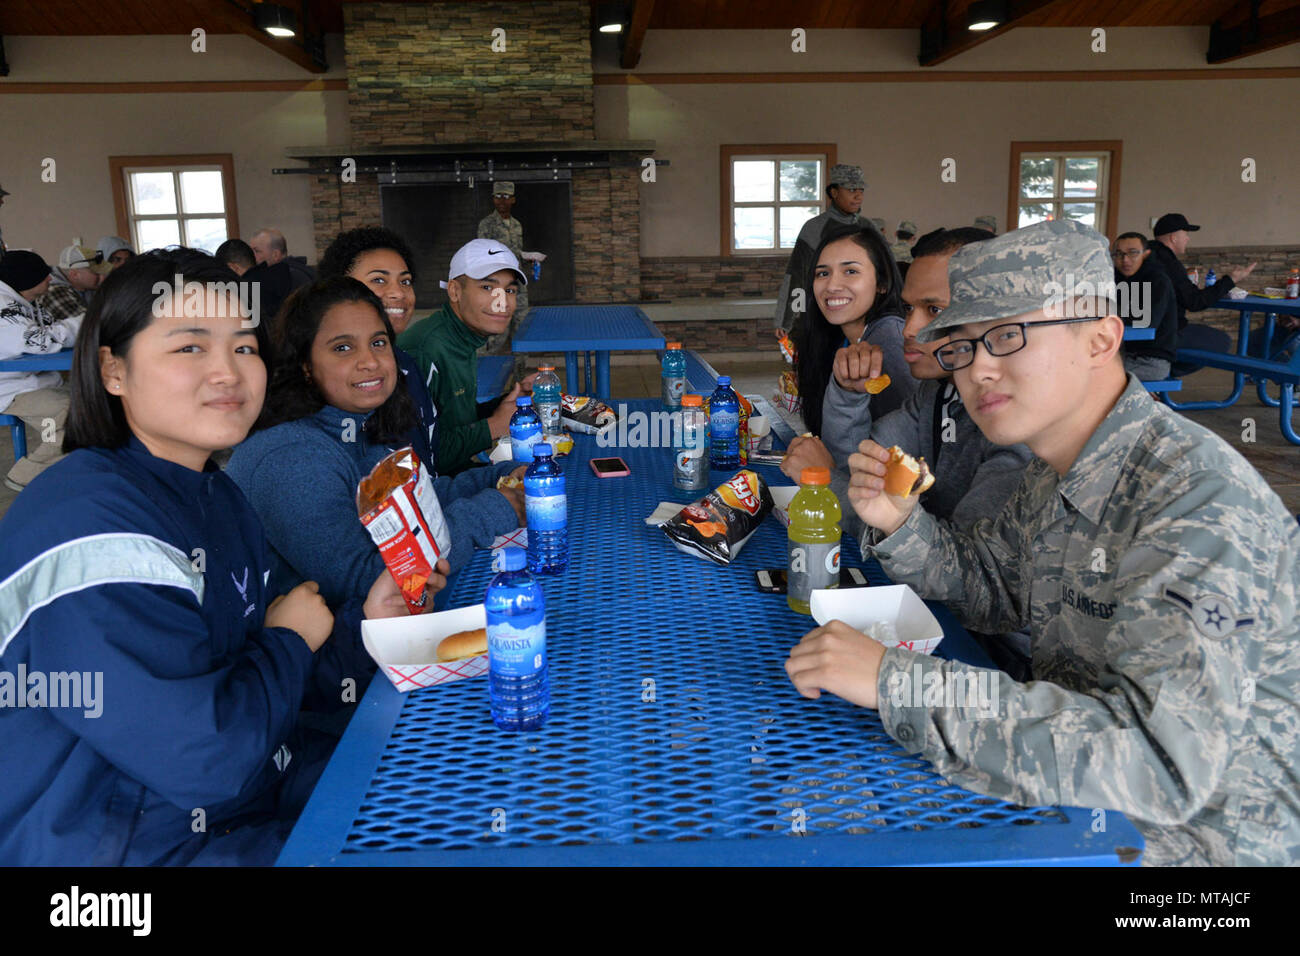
[[915, 627], [781, 498], [406, 648]]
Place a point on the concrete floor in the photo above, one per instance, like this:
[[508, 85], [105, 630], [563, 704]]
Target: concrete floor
[[1274, 457]]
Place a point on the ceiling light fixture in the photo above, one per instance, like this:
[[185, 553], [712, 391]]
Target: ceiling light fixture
[[985, 15], [275, 19]]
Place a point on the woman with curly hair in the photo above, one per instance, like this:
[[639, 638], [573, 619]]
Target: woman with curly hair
[[335, 408]]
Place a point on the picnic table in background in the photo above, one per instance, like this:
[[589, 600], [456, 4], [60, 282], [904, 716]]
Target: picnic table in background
[[675, 736], [587, 329], [1259, 368]]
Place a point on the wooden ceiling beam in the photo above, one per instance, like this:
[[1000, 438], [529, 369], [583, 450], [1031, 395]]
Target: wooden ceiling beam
[[635, 36], [224, 15], [1252, 33], [944, 33]]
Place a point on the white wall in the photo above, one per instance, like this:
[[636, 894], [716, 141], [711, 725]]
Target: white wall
[[1183, 140], [80, 131]]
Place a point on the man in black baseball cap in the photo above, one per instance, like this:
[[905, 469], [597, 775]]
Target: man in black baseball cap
[[1173, 232]]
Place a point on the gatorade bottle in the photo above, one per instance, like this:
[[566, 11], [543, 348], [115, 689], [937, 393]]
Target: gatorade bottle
[[724, 426], [814, 538], [518, 686], [674, 376], [690, 461], [546, 400], [1293, 284], [546, 507], [525, 430]]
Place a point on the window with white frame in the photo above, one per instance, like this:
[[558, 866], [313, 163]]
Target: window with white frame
[[770, 198], [177, 205], [1063, 185]]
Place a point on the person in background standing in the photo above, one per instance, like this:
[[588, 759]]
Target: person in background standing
[[902, 247], [987, 222], [269, 247], [503, 227]]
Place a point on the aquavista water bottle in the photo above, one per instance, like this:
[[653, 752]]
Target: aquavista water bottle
[[546, 507], [724, 426], [674, 376], [546, 400], [525, 430], [518, 678]]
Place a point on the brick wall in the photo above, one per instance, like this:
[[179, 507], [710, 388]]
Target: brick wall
[[427, 73], [606, 235], [337, 206], [712, 276], [1274, 262]]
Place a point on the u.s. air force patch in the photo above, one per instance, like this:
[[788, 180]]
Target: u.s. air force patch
[[1212, 616]]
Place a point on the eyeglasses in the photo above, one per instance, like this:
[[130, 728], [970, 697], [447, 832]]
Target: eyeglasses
[[1000, 340], [1131, 254]]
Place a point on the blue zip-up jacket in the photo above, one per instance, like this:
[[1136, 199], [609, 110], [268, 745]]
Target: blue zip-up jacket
[[152, 576], [424, 436], [301, 477]]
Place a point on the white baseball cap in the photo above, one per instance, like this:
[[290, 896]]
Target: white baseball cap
[[479, 258]]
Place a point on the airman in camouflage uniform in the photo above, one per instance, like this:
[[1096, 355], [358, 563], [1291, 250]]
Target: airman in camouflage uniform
[[987, 222], [844, 185], [1157, 571], [901, 248], [504, 228]]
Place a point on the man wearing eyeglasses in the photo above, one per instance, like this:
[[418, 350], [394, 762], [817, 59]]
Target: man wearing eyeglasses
[[1157, 571], [1146, 300], [73, 282]]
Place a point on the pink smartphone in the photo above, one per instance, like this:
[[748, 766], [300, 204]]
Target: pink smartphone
[[610, 467]]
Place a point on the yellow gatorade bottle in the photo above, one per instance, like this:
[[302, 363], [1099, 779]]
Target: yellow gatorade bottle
[[814, 538]]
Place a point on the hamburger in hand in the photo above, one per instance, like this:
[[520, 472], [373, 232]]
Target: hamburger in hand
[[885, 483]]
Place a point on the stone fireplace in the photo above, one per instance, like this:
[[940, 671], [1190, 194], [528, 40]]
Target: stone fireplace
[[446, 98]]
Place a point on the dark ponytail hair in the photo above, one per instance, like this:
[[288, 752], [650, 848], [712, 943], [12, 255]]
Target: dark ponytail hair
[[818, 340], [290, 395], [121, 308]]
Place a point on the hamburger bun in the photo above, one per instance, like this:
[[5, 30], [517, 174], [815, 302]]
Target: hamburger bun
[[906, 476], [464, 644], [509, 481]]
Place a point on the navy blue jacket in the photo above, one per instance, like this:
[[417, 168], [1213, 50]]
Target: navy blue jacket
[[151, 575], [424, 436]]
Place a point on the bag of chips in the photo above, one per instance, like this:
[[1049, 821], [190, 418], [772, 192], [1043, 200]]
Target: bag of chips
[[397, 505], [718, 525], [585, 414]]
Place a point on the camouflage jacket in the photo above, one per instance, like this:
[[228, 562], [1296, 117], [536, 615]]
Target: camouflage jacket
[[1160, 580], [509, 232]]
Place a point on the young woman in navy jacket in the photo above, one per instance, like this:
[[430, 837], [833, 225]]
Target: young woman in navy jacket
[[136, 563]]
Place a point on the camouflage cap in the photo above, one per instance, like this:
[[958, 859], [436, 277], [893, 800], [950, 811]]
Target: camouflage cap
[[849, 177], [879, 224], [907, 226], [987, 222], [503, 188], [1037, 267]]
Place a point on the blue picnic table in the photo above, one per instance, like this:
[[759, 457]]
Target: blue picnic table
[[586, 330], [675, 736], [60, 361], [1260, 369]]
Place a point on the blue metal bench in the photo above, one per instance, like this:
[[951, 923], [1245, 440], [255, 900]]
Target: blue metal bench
[[494, 372], [1164, 385], [1261, 371], [18, 432]]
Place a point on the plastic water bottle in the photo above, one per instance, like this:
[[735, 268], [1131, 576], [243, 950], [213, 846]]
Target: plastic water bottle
[[724, 426], [546, 399], [1210, 278], [813, 539], [690, 466], [518, 683], [674, 376], [525, 430], [546, 507]]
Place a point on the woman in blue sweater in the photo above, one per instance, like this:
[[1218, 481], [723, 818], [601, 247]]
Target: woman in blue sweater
[[150, 688], [334, 410]]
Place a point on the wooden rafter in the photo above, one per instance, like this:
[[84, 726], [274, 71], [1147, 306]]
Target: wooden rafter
[[1250, 33], [944, 34], [227, 15], [635, 35]]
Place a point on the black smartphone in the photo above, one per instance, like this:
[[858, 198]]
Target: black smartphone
[[775, 580]]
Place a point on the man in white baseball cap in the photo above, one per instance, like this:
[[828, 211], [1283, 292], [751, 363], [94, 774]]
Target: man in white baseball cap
[[482, 285], [73, 282]]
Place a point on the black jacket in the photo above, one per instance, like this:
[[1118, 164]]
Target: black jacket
[[1148, 295], [1190, 298]]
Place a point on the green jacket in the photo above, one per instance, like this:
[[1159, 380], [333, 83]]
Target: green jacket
[[444, 347]]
